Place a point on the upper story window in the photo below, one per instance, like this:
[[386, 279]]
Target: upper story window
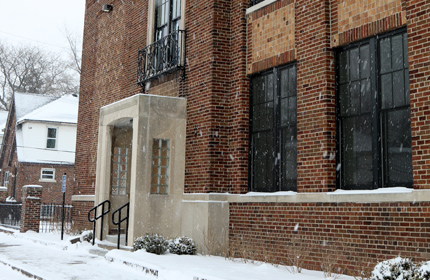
[[273, 160], [373, 113], [51, 142], [166, 41], [167, 17]]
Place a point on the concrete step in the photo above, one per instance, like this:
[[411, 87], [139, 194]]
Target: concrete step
[[113, 238]]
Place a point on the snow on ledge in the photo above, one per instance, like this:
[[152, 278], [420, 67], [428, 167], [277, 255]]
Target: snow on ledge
[[376, 191], [3, 189], [269, 193], [32, 186]]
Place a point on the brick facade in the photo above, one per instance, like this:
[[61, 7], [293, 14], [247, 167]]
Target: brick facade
[[225, 45]]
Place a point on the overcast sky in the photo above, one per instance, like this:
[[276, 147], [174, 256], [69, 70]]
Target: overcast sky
[[41, 22]]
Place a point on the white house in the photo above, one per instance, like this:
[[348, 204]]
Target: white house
[[39, 143]]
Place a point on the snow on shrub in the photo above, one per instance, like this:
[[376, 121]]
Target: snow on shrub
[[424, 271], [401, 269], [182, 246], [87, 236], [152, 243]]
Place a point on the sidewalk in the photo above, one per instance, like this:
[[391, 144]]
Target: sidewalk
[[45, 256]]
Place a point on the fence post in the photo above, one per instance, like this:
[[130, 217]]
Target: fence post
[[3, 194], [30, 213]]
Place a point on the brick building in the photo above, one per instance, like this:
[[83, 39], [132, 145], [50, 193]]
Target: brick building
[[38, 145], [306, 122]]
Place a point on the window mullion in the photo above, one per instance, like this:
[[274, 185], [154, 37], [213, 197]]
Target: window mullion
[[376, 127], [276, 128]]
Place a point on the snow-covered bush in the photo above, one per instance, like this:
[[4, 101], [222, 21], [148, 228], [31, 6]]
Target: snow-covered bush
[[87, 236], [396, 269], [424, 271], [152, 243], [182, 246]]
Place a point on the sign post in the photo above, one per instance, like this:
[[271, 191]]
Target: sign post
[[63, 190]]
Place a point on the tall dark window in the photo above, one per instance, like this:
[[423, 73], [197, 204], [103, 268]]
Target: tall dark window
[[373, 115], [273, 160], [167, 17]]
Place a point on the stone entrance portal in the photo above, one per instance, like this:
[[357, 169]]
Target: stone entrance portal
[[141, 159]]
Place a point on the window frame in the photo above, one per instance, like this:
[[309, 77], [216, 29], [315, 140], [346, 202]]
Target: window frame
[[377, 127], [42, 179], [48, 139], [275, 131]]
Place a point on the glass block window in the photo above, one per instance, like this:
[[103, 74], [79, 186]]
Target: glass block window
[[47, 174], [160, 166], [119, 170], [51, 142], [373, 119]]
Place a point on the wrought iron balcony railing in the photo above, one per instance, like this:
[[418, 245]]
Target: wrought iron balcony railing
[[161, 57], [255, 2]]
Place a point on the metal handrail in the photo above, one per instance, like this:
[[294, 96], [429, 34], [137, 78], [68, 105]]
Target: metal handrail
[[94, 220], [120, 221], [162, 56]]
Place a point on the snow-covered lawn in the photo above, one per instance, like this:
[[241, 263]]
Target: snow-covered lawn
[[46, 256]]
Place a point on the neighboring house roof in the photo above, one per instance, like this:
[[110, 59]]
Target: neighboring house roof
[[64, 109], [36, 108], [28, 102]]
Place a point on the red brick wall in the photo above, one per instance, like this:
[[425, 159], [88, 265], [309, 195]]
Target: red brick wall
[[361, 234], [109, 63], [29, 174], [417, 14], [315, 98], [30, 212]]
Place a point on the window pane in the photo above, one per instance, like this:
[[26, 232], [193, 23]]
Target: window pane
[[284, 112], [366, 96], [50, 143], [343, 67], [52, 132], [398, 163], [257, 90], [354, 64], [356, 152], [385, 55], [398, 89], [364, 62], [386, 91], [284, 83], [344, 99], [289, 159], [292, 110], [269, 88], [397, 50], [263, 162], [354, 99], [292, 82]]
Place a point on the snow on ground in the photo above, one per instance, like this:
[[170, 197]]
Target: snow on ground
[[46, 256]]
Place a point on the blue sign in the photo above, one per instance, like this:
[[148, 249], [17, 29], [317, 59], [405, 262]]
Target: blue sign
[[63, 186]]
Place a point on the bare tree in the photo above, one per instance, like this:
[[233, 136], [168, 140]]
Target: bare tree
[[31, 69], [74, 52]]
